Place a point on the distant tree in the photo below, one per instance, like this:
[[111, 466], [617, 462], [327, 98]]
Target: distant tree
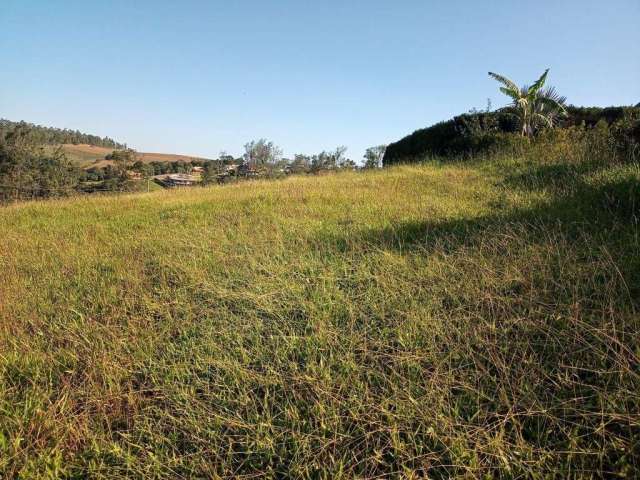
[[212, 169], [181, 167], [146, 170], [225, 158], [27, 170], [373, 156], [347, 164], [329, 160], [55, 136], [261, 152], [534, 107], [301, 163], [94, 174], [160, 168], [139, 166], [123, 161], [338, 156]]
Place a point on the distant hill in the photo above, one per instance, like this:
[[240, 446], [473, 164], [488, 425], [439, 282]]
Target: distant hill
[[148, 157], [83, 155], [58, 136], [85, 149], [93, 156]]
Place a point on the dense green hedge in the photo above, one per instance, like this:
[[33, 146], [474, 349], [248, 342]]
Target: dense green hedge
[[473, 133]]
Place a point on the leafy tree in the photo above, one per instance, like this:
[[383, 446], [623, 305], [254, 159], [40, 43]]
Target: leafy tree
[[210, 174], [534, 107], [94, 174], [301, 163], [146, 170], [373, 156], [330, 160], [118, 177], [261, 152], [347, 163], [225, 158], [31, 171], [139, 166]]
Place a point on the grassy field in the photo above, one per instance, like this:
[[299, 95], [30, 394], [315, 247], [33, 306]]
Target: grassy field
[[93, 156], [83, 155], [471, 320]]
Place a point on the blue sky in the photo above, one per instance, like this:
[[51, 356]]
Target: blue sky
[[198, 77]]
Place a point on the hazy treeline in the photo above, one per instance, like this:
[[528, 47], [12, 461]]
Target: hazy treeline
[[55, 136]]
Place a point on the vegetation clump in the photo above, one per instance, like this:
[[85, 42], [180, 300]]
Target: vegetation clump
[[533, 110], [534, 107], [57, 136], [28, 171]]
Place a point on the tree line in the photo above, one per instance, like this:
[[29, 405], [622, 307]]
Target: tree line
[[56, 136], [33, 165], [261, 158]]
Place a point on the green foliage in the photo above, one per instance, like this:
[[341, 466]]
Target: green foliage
[[373, 156], [301, 163], [331, 160], [55, 136], [464, 135], [28, 171], [261, 152], [534, 107], [479, 133], [126, 156]]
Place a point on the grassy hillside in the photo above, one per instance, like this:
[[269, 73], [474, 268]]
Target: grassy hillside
[[462, 320], [91, 155], [84, 155], [148, 157]]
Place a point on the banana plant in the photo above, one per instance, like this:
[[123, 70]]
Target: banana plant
[[534, 106]]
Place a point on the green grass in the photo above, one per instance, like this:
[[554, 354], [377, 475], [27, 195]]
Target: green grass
[[468, 320]]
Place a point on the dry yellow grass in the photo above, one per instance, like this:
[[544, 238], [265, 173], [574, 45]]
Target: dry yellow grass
[[93, 156]]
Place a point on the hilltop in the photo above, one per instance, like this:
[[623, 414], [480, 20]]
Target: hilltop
[[84, 149], [44, 135], [470, 320], [94, 156]]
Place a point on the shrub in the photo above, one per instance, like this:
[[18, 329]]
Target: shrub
[[487, 132]]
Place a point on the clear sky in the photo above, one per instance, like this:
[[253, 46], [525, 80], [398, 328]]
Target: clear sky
[[198, 77]]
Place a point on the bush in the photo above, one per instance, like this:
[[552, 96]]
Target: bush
[[28, 171], [462, 135], [477, 133]]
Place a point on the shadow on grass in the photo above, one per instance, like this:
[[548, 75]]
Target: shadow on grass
[[556, 178], [609, 206], [604, 214]]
